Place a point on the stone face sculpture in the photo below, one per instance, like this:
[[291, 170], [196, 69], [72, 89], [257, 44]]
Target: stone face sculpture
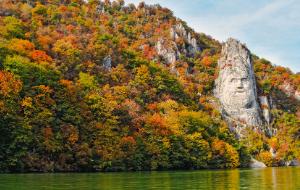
[[236, 86]]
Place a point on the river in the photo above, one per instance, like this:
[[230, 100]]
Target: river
[[266, 178]]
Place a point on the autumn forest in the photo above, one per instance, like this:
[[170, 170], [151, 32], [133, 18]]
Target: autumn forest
[[83, 88]]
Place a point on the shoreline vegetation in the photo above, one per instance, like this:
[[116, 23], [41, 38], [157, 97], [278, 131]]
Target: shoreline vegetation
[[82, 88], [145, 171]]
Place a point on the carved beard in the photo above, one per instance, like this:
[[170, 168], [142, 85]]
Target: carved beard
[[241, 100]]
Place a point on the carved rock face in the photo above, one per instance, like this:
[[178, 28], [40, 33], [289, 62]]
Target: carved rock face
[[236, 86], [239, 91]]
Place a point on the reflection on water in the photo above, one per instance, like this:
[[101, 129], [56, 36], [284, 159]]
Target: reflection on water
[[267, 178]]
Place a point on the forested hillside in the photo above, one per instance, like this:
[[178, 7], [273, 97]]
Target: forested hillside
[[100, 86]]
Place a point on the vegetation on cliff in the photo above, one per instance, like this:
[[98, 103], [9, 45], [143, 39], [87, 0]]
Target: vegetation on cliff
[[82, 88]]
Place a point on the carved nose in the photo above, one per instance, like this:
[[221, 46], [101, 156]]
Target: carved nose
[[240, 85]]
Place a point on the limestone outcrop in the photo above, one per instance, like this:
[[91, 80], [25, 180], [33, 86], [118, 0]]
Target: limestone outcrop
[[236, 88], [297, 95], [290, 90], [178, 31], [292, 163], [170, 51], [264, 102], [107, 62], [256, 164]]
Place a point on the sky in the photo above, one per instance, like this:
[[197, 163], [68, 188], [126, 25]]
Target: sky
[[269, 28]]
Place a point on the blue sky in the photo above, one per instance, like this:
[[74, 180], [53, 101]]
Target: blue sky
[[270, 28]]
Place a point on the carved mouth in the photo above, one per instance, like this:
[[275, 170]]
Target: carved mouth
[[240, 91]]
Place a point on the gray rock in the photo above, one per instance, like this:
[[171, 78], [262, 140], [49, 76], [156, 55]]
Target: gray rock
[[265, 108], [297, 95], [107, 62], [294, 163], [170, 51], [100, 8], [179, 31], [167, 53], [272, 152], [173, 34], [236, 87], [256, 164], [290, 90]]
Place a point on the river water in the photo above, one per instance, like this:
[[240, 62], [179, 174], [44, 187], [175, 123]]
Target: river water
[[266, 178]]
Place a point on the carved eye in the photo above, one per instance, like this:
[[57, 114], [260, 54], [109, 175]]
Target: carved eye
[[244, 79]]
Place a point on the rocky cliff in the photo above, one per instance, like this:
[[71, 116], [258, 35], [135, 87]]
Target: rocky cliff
[[170, 50], [236, 87]]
